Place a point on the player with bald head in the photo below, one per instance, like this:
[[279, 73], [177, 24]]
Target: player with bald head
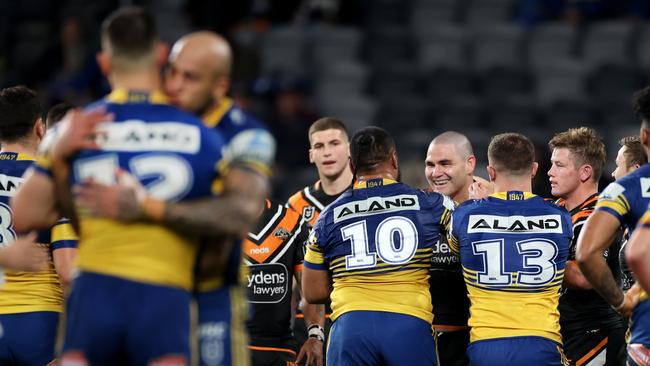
[[198, 79], [198, 76], [449, 169]]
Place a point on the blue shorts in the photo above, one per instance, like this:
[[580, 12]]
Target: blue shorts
[[28, 338], [640, 324], [222, 332], [112, 321], [515, 351], [380, 338]]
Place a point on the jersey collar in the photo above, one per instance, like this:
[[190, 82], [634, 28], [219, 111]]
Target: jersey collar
[[126, 96], [513, 195], [213, 116], [373, 183]]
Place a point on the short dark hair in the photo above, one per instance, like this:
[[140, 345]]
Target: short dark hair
[[56, 114], [369, 148], [19, 111], [641, 104], [634, 152], [585, 146], [130, 32], [510, 152], [327, 123]]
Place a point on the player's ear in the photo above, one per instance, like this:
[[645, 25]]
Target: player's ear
[[492, 173], [104, 62], [311, 156], [39, 128], [470, 164], [162, 52], [586, 171], [534, 169], [220, 87]]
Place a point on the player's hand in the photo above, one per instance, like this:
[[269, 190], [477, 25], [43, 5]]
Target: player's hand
[[312, 352], [77, 131], [119, 202], [481, 188], [631, 300], [24, 254]]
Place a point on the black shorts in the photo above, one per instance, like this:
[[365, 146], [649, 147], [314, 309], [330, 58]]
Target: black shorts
[[452, 348], [271, 356], [595, 346]]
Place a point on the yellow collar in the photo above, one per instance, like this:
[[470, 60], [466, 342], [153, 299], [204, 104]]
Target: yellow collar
[[9, 155], [373, 183], [213, 116], [513, 195], [125, 96]]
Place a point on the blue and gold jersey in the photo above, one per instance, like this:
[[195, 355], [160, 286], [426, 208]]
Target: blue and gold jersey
[[175, 157], [248, 144], [248, 141], [28, 291], [376, 241], [627, 198], [513, 248]]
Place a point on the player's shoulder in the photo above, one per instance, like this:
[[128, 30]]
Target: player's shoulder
[[242, 120], [628, 182], [435, 198], [297, 200]]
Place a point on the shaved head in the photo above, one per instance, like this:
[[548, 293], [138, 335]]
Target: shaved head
[[460, 141], [210, 48], [198, 76], [449, 165]]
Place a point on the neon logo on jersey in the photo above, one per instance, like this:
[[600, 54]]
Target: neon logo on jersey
[[515, 224], [375, 205]]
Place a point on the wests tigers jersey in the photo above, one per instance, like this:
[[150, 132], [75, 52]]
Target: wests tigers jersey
[[310, 201], [273, 252], [513, 248], [376, 242], [28, 291], [584, 309]]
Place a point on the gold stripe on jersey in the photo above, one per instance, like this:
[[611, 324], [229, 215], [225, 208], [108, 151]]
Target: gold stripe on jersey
[[620, 205], [213, 116], [62, 232], [139, 252], [500, 314], [403, 292], [25, 292]]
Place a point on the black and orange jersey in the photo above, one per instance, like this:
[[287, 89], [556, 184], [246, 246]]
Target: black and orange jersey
[[580, 309], [273, 253], [310, 201]]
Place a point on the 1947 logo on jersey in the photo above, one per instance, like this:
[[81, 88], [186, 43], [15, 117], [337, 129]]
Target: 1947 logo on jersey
[[308, 212]]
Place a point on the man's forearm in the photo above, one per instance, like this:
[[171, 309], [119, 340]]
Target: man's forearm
[[595, 269], [212, 217]]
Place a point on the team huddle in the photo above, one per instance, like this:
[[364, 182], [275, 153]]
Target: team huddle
[[155, 198]]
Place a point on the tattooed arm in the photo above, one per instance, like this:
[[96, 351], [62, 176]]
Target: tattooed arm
[[232, 213]]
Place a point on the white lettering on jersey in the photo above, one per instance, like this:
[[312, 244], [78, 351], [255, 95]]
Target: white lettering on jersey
[[9, 185], [549, 224], [376, 205], [136, 135]]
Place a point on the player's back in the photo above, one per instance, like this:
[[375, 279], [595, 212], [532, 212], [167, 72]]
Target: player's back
[[23, 291], [175, 157], [376, 240], [513, 248]]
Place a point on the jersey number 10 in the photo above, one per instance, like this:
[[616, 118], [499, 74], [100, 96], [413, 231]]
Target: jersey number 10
[[385, 243]]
